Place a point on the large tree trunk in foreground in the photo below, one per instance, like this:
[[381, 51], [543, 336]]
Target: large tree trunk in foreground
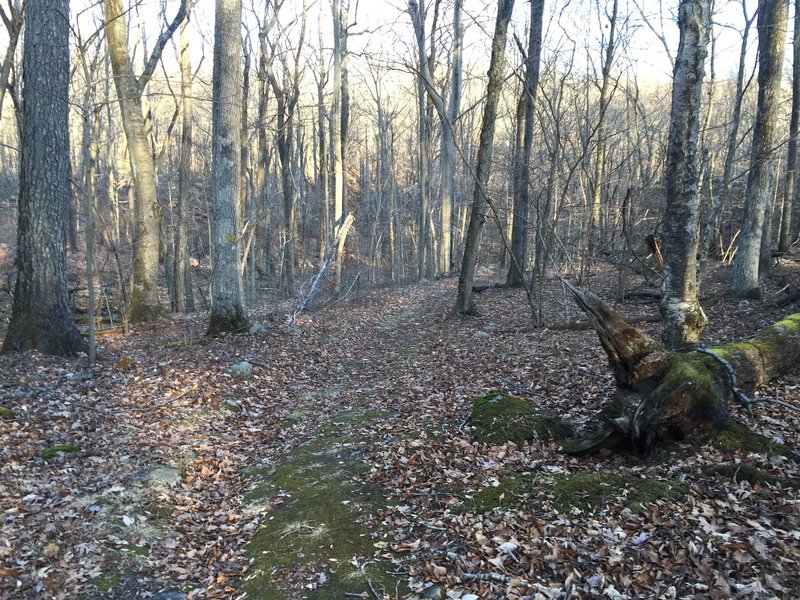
[[684, 319], [667, 396], [227, 306], [40, 317]]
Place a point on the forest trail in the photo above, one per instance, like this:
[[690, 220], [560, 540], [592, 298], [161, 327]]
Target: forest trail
[[370, 397]]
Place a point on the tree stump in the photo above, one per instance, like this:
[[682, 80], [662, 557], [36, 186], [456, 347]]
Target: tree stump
[[665, 396]]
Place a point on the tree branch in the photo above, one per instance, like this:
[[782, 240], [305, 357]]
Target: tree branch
[[155, 56]]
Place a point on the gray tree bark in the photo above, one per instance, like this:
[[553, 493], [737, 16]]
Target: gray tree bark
[[184, 298], [522, 171], [287, 96], [592, 231], [338, 122], [13, 22], [477, 217], [791, 189], [772, 19], [144, 301], [684, 319], [227, 306], [40, 316], [448, 162], [711, 225]]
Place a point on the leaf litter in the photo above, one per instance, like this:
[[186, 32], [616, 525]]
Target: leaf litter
[[88, 523]]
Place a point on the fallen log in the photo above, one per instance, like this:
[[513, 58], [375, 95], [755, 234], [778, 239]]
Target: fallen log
[[668, 396]]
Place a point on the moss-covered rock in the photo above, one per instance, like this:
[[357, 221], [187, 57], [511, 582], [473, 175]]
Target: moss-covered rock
[[58, 449], [7, 414], [319, 493], [499, 418]]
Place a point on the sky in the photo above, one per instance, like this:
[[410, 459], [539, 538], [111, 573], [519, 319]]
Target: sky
[[381, 27]]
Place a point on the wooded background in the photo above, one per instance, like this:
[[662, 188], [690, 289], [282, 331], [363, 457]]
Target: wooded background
[[376, 109]]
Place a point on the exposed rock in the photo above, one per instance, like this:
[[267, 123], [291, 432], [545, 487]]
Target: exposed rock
[[481, 334], [163, 476], [435, 591], [242, 369], [171, 595], [258, 329]]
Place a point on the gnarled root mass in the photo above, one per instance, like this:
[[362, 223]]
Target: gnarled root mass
[[662, 395]]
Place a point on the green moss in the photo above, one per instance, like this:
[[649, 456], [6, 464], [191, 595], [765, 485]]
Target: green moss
[[591, 491], [741, 472], [499, 418], [602, 438], [107, 582], [294, 416], [54, 451], [513, 490], [137, 550], [7, 414], [318, 494], [739, 438], [585, 491]]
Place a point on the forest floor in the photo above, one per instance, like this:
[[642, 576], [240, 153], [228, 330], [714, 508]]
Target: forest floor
[[152, 474]]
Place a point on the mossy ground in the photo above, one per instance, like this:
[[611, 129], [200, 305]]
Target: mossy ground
[[7, 414], [316, 527], [498, 418], [568, 491], [54, 451], [739, 438]]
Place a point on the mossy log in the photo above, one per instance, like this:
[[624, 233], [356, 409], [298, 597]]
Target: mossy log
[[667, 396]]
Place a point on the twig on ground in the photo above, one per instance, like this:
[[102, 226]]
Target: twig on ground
[[372, 590], [495, 577]]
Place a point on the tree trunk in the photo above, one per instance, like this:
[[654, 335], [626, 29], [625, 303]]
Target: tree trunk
[[684, 319], [40, 317], [791, 188], [522, 167], [477, 217], [144, 302], [710, 231], [593, 230], [184, 298], [227, 312], [338, 125], [663, 396], [772, 18], [13, 23]]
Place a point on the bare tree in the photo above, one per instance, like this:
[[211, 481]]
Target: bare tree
[[40, 317], [339, 124], [227, 306], [287, 95], [144, 302], [464, 304], [792, 188], [684, 319], [711, 224], [772, 18], [13, 22], [606, 92], [522, 159], [184, 298]]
